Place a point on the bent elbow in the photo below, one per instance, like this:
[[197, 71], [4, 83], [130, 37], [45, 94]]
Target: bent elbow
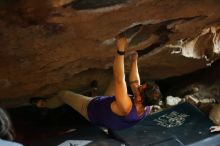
[[127, 110]]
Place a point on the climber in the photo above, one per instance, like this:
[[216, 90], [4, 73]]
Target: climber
[[114, 112]]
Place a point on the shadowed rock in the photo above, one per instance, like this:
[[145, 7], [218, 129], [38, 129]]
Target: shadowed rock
[[94, 4]]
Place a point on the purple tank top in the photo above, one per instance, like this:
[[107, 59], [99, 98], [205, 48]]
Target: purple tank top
[[100, 113]]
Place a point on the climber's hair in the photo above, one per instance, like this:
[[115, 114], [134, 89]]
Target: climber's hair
[[151, 94]]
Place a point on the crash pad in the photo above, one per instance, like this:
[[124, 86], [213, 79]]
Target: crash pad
[[183, 124]]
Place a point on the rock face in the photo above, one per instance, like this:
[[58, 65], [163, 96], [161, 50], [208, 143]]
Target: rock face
[[50, 45]]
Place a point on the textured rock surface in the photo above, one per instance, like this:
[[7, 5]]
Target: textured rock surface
[[50, 45]]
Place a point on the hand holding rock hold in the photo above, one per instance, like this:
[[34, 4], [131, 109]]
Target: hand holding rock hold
[[121, 44], [133, 56]]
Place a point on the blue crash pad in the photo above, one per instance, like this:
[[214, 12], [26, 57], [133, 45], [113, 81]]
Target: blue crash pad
[[183, 124]]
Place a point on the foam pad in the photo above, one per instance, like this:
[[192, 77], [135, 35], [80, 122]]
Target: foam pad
[[183, 124], [8, 143]]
